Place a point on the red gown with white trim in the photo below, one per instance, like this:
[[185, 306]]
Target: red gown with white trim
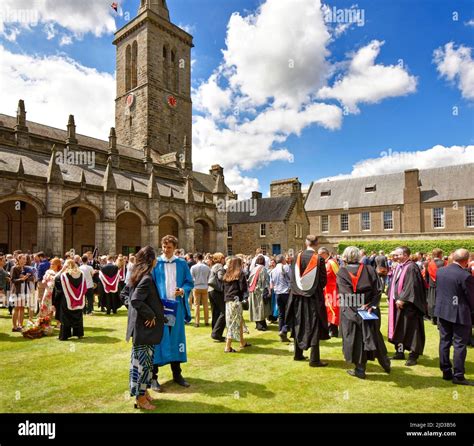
[[330, 292]]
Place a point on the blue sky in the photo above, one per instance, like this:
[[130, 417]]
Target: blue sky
[[414, 121]]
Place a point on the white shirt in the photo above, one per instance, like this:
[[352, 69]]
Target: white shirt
[[129, 272], [170, 277], [88, 271]]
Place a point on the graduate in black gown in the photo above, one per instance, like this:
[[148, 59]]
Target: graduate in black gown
[[306, 311], [360, 288], [109, 276], [69, 293], [433, 266], [407, 307]]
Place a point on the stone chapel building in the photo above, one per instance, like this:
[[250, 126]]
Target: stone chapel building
[[140, 184]]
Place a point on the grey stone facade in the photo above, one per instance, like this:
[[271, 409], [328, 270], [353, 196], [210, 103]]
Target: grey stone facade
[[140, 185]]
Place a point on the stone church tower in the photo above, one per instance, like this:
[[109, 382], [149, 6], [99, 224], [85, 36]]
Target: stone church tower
[[153, 109]]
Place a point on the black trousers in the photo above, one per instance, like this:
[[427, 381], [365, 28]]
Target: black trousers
[[175, 368], [458, 336], [282, 301], [89, 307], [314, 356], [218, 313], [111, 302]]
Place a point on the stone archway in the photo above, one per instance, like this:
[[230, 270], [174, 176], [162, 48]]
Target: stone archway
[[79, 225], [129, 233], [18, 226], [169, 226], [202, 236]]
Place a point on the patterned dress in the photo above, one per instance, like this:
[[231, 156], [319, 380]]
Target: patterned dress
[[233, 318], [141, 369], [46, 306]]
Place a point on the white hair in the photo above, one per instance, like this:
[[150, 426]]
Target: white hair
[[351, 254]]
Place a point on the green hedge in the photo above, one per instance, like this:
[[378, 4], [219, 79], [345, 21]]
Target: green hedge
[[425, 246]]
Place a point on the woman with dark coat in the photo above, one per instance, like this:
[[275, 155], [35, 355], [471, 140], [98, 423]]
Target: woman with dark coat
[[145, 325], [359, 289]]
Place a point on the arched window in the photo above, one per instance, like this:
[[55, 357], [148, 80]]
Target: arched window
[[175, 71], [134, 68], [128, 61], [165, 68]]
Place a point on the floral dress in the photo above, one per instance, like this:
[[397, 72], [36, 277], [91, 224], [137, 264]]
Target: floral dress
[[46, 307]]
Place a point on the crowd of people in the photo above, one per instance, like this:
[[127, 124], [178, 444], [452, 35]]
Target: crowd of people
[[312, 295], [61, 289]]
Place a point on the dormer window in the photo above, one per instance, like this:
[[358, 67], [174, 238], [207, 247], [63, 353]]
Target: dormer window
[[326, 193], [371, 188]]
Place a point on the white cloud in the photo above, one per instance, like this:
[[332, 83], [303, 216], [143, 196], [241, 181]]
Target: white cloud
[[265, 89], [394, 161], [241, 184], [11, 34], [232, 148], [283, 54], [340, 20], [284, 121], [367, 82], [262, 91], [456, 65], [65, 40], [50, 31], [190, 29], [54, 87], [79, 16], [211, 98]]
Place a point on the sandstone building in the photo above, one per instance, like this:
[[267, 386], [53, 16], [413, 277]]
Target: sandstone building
[[276, 224], [61, 190], [415, 204]]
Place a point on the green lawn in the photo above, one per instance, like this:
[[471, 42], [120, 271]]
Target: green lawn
[[91, 375]]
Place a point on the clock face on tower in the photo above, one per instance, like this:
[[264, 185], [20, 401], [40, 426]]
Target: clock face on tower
[[130, 100], [171, 100]]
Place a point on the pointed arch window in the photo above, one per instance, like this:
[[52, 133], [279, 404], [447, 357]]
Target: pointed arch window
[[134, 65], [166, 67], [175, 71], [128, 63]]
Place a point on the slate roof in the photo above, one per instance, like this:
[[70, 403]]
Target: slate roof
[[61, 135], [37, 164], [267, 210], [437, 184]]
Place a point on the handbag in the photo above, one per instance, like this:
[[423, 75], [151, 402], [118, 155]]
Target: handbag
[[245, 304], [215, 283]]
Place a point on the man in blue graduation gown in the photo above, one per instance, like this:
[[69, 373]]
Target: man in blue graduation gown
[[174, 282]]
